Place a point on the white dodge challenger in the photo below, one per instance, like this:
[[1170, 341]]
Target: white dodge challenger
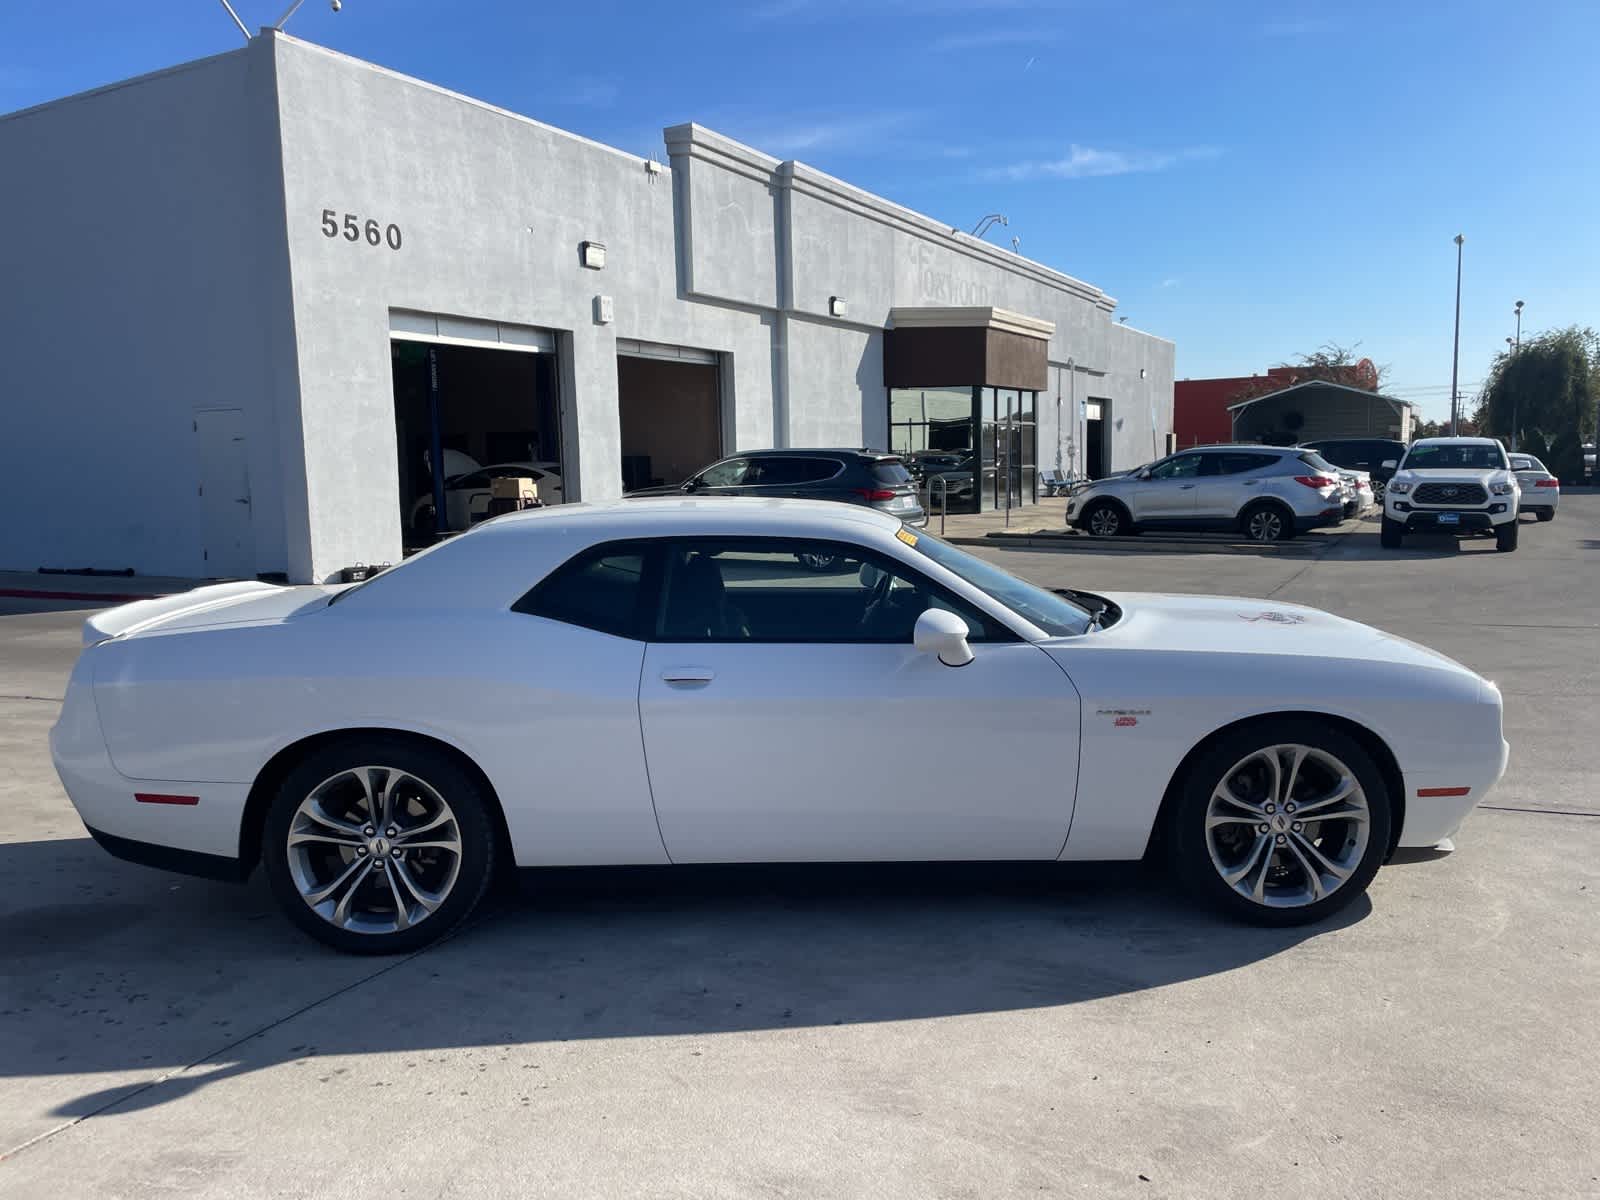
[[713, 681]]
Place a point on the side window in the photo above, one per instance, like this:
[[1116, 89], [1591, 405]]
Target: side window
[[477, 479], [785, 590], [726, 474], [819, 469], [1243, 463], [1185, 466], [776, 471], [603, 588]]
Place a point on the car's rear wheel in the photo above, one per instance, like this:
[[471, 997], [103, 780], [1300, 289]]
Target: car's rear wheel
[[1391, 534], [1505, 536], [378, 845], [1283, 822], [1106, 518], [1546, 514], [1267, 522]]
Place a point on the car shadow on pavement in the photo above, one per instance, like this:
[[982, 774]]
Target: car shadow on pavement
[[187, 981]]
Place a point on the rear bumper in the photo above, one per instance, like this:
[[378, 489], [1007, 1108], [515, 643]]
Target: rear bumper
[[1536, 503], [1331, 515], [166, 858]]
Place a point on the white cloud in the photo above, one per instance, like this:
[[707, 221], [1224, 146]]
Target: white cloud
[[1170, 283], [1088, 162]]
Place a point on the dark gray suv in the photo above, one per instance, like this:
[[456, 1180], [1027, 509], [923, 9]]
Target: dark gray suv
[[871, 477]]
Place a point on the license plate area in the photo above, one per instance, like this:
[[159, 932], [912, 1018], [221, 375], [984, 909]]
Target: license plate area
[[1449, 518]]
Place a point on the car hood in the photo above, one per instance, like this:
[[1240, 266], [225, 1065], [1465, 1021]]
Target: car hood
[[1456, 475], [219, 604], [1240, 625]]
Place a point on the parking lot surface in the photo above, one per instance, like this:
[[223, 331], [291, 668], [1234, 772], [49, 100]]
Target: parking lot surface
[[918, 1032]]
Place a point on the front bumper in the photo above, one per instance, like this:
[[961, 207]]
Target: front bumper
[[1432, 814], [1450, 520]]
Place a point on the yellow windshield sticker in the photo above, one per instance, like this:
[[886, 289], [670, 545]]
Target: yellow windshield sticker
[[906, 536]]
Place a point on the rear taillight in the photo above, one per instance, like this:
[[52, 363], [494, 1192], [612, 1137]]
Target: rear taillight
[[1316, 481], [873, 495], [1548, 483]]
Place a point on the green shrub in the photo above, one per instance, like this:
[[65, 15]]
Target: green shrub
[[1532, 442]]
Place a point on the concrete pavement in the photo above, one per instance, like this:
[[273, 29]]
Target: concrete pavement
[[914, 1033]]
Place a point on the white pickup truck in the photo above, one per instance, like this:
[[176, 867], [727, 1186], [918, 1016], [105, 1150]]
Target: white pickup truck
[[1456, 485]]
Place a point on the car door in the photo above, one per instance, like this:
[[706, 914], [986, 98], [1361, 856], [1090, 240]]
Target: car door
[[1168, 495], [788, 717], [1229, 480]]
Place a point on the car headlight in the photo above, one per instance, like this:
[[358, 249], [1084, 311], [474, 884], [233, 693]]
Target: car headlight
[[1502, 489], [1399, 489]]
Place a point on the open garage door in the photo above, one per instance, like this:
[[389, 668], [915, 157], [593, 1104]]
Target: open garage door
[[669, 401], [481, 400]]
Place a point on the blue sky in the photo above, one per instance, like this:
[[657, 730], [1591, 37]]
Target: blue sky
[[1250, 179]]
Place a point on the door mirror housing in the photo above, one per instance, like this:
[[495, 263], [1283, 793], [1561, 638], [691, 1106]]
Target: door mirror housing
[[1144, 473], [691, 484], [1390, 464], [939, 631]]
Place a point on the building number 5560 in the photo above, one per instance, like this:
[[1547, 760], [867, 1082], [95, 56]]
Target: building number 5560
[[354, 230]]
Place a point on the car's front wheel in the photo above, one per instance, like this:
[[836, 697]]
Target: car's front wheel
[[1505, 536], [378, 845], [1106, 518], [1391, 534], [1282, 822]]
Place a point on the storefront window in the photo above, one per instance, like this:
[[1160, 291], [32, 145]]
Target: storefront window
[[933, 428]]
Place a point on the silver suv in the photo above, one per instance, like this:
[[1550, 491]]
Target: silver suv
[[1265, 492]]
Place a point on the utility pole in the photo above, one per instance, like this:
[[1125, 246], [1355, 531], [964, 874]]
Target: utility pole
[[1455, 354], [1516, 349]]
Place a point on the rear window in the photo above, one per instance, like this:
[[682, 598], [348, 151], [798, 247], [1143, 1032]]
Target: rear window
[[601, 589], [1317, 463], [890, 471]]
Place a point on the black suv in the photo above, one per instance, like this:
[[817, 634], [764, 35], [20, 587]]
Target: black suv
[[1362, 454], [870, 477]]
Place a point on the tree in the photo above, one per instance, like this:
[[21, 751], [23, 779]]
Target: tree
[[1551, 384], [1330, 361]]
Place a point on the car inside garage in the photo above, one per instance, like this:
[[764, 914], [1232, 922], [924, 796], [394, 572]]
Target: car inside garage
[[670, 407], [483, 412]]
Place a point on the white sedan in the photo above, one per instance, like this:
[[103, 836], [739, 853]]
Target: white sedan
[[466, 496], [671, 683]]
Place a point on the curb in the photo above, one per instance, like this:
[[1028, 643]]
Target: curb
[[1068, 542], [41, 594]]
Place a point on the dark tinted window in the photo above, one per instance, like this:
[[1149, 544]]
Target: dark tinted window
[[602, 588], [890, 471], [1317, 463], [785, 469], [1458, 456], [789, 590], [725, 474], [1238, 462], [1185, 466]]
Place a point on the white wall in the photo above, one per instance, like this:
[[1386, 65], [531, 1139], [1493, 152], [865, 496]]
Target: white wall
[[143, 279]]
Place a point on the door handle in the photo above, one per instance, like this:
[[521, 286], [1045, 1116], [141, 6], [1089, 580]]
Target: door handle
[[687, 674], [1185, 487], [1251, 482]]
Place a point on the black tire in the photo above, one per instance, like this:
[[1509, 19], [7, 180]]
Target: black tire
[[1106, 518], [470, 811], [1391, 534], [1546, 514], [1505, 536], [1190, 852], [1267, 521]]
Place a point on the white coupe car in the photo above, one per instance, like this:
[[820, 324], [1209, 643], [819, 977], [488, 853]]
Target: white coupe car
[[672, 683]]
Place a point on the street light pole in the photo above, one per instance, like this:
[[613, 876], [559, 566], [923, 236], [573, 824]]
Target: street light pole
[[1516, 349], [1455, 354]]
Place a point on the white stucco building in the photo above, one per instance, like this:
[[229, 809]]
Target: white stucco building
[[246, 297]]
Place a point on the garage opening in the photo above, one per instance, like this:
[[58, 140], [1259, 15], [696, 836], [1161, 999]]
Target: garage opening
[[669, 402], [482, 410]]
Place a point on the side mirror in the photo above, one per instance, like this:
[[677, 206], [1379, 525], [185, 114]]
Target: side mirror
[[1390, 464], [691, 484], [1144, 474], [939, 631]]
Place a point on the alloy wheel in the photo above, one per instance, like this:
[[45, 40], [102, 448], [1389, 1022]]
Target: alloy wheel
[[374, 850], [1287, 826], [1265, 525], [1104, 521]]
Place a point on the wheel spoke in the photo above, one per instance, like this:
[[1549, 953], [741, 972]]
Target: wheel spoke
[[428, 900], [402, 910], [1275, 783], [453, 847], [1300, 753], [1216, 819], [443, 817], [1226, 794], [1348, 813], [1341, 790], [1323, 862], [1313, 876], [341, 914], [301, 837], [385, 797], [1238, 873], [313, 810]]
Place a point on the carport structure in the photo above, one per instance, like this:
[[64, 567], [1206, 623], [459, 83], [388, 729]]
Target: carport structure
[[1319, 409]]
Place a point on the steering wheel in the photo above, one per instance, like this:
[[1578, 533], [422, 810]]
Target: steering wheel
[[877, 599]]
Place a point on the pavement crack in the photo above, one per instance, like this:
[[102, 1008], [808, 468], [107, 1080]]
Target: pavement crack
[[48, 699], [1549, 812]]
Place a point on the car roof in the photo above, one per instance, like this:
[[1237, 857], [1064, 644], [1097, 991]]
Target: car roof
[[1253, 447], [664, 516], [856, 451], [1456, 441]]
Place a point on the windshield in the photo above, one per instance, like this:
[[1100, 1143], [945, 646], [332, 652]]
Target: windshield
[[1455, 456], [1054, 614]]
